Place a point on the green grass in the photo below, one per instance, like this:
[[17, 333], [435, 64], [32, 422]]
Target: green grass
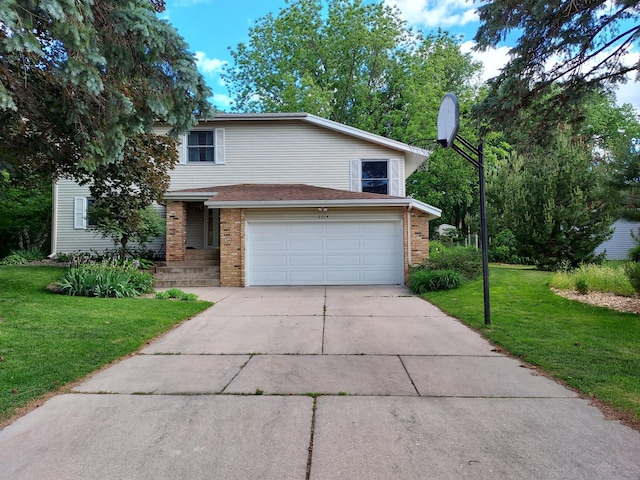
[[593, 349], [601, 278], [49, 340]]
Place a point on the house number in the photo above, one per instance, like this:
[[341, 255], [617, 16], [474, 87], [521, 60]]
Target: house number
[[323, 216]]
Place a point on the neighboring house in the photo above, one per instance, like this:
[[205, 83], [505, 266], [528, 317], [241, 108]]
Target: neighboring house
[[288, 199], [618, 246]]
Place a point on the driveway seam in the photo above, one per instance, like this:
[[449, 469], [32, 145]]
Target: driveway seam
[[409, 375], [237, 373]]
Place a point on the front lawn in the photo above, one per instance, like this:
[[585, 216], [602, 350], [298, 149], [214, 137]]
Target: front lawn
[[593, 349], [49, 340]]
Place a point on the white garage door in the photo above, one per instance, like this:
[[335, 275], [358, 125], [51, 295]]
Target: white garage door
[[325, 253]]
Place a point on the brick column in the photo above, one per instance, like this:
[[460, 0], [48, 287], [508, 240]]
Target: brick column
[[419, 237], [176, 231], [232, 247]]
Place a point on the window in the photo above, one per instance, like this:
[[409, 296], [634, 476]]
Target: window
[[201, 146], [385, 176], [375, 176], [81, 218], [205, 146]]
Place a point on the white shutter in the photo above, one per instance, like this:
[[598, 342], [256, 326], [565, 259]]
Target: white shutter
[[395, 186], [355, 175], [183, 154], [79, 213], [219, 148]]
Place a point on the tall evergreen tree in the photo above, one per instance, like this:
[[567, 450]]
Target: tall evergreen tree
[[78, 78]]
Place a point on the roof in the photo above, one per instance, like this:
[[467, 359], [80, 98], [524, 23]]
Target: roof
[[416, 153], [292, 195]]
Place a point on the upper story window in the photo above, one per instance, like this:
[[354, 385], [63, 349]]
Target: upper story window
[[201, 146], [375, 176], [204, 146]]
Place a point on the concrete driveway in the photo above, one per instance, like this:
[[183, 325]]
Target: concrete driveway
[[324, 384]]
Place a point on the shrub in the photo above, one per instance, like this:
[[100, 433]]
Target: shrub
[[105, 280], [464, 260], [582, 286], [634, 253], [176, 294], [421, 281], [23, 256], [436, 248], [633, 274]]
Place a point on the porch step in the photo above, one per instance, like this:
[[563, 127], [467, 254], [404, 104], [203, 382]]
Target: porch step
[[176, 276], [194, 254]]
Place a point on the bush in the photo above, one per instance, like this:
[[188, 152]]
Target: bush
[[23, 256], [176, 294], [105, 280], [421, 281], [464, 260], [436, 248], [582, 286], [634, 254], [633, 274]]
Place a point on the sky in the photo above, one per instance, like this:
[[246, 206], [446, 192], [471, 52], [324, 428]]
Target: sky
[[212, 27]]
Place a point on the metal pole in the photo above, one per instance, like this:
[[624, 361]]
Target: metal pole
[[485, 236]]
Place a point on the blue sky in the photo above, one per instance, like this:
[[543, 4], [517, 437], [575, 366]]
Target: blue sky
[[210, 27]]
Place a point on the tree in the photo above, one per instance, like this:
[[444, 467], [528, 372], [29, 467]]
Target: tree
[[552, 200], [124, 189], [350, 62], [25, 212], [566, 50], [79, 78]]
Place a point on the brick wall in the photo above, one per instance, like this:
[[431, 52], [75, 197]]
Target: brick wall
[[176, 231], [419, 237], [232, 247]]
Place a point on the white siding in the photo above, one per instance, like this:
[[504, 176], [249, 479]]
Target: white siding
[[618, 246], [72, 239], [282, 152]]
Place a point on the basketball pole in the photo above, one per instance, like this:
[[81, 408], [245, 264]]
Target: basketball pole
[[448, 125]]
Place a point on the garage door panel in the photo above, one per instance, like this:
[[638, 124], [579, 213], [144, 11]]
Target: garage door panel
[[325, 252], [345, 260], [306, 260], [310, 245], [350, 245]]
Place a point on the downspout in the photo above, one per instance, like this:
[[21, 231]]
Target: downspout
[[54, 221], [409, 208]]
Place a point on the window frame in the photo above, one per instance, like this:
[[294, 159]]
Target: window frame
[[218, 147], [386, 179]]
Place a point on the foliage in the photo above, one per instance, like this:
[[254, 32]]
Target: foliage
[[177, 294], [464, 260], [421, 281], [51, 340], [107, 279], [25, 211], [565, 52], [632, 270], [592, 349], [503, 249], [598, 278], [21, 257], [436, 248], [582, 286], [634, 253], [124, 190], [552, 200], [78, 78]]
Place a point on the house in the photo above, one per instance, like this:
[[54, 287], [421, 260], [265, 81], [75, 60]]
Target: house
[[617, 247], [286, 199]]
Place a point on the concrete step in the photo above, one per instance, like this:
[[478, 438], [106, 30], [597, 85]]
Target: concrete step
[[185, 270], [181, 283]]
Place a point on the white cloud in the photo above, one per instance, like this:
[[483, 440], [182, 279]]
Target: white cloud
[[221, 101], [436, 13], [492, 59], [209, 66]]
